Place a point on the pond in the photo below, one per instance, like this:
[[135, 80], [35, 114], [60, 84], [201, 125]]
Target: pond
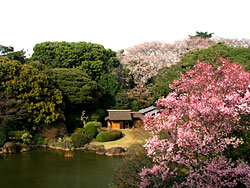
[[47, 168]]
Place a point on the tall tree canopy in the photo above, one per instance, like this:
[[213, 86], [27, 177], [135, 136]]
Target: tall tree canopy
[[93, 59]]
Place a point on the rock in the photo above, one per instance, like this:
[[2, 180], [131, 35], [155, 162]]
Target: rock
[[92, 147], [10, 147], [24, 148], [86, 146], [100, 150], [100, 147], [67, 145], [52, 131], [115, 151]]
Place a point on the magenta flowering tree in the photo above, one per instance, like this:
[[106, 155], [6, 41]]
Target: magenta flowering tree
[[196, 124]]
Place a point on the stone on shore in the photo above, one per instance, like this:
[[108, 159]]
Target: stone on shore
[[100, 150], [115, 151], [10, 147]]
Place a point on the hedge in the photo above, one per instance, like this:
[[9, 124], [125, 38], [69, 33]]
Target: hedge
[[108, 136]]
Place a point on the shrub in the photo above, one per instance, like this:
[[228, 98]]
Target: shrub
[[109, 136], [39, 140], [79, 140], [78, 130], [17, 135], [26, 137], [94, 123], [92, 128]]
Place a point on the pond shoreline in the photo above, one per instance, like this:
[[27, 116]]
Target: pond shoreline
[[111, 148], [99, 150]]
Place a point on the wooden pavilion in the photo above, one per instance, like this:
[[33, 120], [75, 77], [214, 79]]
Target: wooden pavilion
[[122, 119]]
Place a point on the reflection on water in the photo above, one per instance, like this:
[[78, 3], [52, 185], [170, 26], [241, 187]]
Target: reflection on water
[[45, 168]]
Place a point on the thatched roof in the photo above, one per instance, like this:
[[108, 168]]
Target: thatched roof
[[119, 115]]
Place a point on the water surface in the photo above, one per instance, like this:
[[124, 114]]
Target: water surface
[[47, 168]]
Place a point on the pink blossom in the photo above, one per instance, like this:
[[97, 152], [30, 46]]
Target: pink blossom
[[198, 119], [146, 59]]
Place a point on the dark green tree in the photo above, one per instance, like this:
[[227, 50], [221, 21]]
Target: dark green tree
[[9, 52], [77, 88], [43, 101], [36, 64], [79, 93], [110, 84], [93, 59], [202, 35], [122, 101], [11, 109]]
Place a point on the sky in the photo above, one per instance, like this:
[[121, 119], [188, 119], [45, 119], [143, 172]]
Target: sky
[[119, 24]]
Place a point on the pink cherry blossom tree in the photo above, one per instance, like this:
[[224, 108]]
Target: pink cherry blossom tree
[[196, 124], [146, 59]]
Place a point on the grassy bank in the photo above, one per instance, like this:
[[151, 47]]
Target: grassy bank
[[130, 137]]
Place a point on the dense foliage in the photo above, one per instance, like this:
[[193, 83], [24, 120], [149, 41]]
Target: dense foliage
[[108, 136], [168, 74], [146, 59], [79, 93], [3, 136], [12, 110], [79, 140], [43, 101], [126, 174], [92, 128], [17, 135], [88, 75], [197, 123], [110, 84], [93, 59], [77, 88], [8, 51], [66, 78], [202, 35]]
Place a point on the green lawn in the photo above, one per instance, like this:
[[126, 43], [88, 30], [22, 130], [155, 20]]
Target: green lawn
[[130, 137]]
